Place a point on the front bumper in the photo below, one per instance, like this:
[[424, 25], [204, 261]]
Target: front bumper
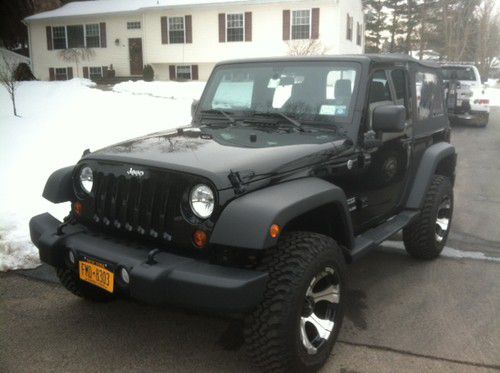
[[173, 279]]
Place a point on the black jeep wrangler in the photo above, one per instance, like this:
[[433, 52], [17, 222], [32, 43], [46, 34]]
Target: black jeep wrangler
[[291, 168]]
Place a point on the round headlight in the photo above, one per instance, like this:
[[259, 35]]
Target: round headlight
[[86, 179], [202, 201]]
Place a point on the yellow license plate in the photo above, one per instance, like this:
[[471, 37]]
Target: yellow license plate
[[97, 275]]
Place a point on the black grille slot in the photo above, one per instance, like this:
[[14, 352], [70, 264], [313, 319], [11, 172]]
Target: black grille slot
[[145, 206]]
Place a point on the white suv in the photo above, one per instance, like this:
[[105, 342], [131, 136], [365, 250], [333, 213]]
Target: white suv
[[472, 106]]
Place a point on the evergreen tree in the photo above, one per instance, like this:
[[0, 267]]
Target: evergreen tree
[[375, 23]]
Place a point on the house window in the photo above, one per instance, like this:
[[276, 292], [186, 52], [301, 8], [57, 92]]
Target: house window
[[61, 73], [59, 37], [183, 72], [301, 24], [350, 26], [92, 35], [95, 72], [176, 30], [359, 33], [235, 27], [135, 25], [76, 37]]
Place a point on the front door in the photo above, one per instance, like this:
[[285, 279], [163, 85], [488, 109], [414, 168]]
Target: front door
[[135, 56], [383, 180]]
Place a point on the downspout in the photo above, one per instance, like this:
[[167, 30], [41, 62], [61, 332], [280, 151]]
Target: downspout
[[30, 49]]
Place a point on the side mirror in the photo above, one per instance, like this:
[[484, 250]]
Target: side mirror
[[389, 118], [194, 107]]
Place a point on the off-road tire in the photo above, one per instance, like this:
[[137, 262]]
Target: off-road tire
[[272, 334], [420, 236], [79, 288]]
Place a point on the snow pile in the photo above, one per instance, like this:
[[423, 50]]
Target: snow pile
[[173, 90], [58, 121], [494, 95]]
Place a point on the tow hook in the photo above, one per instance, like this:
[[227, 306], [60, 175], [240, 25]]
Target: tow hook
[[151, 257], [70, 219]]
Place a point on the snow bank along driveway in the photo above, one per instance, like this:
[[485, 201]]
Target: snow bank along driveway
[[59, 120]]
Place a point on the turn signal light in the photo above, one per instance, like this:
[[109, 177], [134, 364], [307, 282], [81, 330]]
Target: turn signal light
[[78, 208], [200, 239], [274, 231]]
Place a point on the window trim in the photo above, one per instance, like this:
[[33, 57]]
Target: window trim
[[96, 67], [85, 34], [134, 22], [190, 71], [65, 38], [244, 27], [183, 29], [84, 25], [291, 22], [65, 73]]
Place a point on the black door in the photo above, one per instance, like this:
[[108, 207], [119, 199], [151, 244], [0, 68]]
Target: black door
[[382, 180], [135, 56]]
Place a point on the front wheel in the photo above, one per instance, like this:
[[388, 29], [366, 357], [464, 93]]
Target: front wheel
[[296, 325]]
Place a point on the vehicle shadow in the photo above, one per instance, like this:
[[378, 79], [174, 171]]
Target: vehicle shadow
[[126, 333]]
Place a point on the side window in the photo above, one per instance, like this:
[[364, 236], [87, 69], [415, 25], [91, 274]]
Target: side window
[[379, 88], [430, 97], [399, 82]]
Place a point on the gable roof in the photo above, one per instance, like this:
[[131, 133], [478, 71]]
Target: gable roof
[[109, 7]]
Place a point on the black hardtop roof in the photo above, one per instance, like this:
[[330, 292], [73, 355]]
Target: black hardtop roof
[[389, 58]]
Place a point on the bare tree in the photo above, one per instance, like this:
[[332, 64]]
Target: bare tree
[[76, 55], [308, 47], [8, 80]]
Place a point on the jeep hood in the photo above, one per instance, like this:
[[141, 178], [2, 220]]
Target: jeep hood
[[253, 153]]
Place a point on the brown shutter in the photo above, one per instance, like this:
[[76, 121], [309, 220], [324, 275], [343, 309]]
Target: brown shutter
[[248, 26], [164, 30], [222, 27], [194, 72], [52, 74], [286, 25], [189, 29], [102, 27], [85, 72], [347, 27], [171, 71], [104, 71], [48, 30], [315, 23], [70, 73]]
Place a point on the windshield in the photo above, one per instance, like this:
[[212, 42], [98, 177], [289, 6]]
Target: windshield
[[459, 73], [304, 90]]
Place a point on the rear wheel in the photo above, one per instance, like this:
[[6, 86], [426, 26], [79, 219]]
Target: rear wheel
[[296, 325], [426, 236], [70, 281]]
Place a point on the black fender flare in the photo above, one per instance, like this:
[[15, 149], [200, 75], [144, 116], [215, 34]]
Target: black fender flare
[[245, 221], [427, 169], [59, 186]]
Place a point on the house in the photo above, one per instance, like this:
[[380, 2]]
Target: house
[[183, 39]]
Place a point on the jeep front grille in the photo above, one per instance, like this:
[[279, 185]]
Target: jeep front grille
[[143, 205]]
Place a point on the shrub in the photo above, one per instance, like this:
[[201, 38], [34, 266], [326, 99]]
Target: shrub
[[148, 73], [23, 72]]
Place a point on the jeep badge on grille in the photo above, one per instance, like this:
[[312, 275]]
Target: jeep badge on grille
[[132, 172]]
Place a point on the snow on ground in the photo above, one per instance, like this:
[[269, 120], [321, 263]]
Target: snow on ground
[[174, 90], [58, 121], [494, 95]]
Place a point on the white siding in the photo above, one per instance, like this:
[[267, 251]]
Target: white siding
[[206, 49]]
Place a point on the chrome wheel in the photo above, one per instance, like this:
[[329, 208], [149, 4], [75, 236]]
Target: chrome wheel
[[317, 320], [443, 219]]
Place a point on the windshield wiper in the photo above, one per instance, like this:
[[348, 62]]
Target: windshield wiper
[[275, 114], [219, 111]]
